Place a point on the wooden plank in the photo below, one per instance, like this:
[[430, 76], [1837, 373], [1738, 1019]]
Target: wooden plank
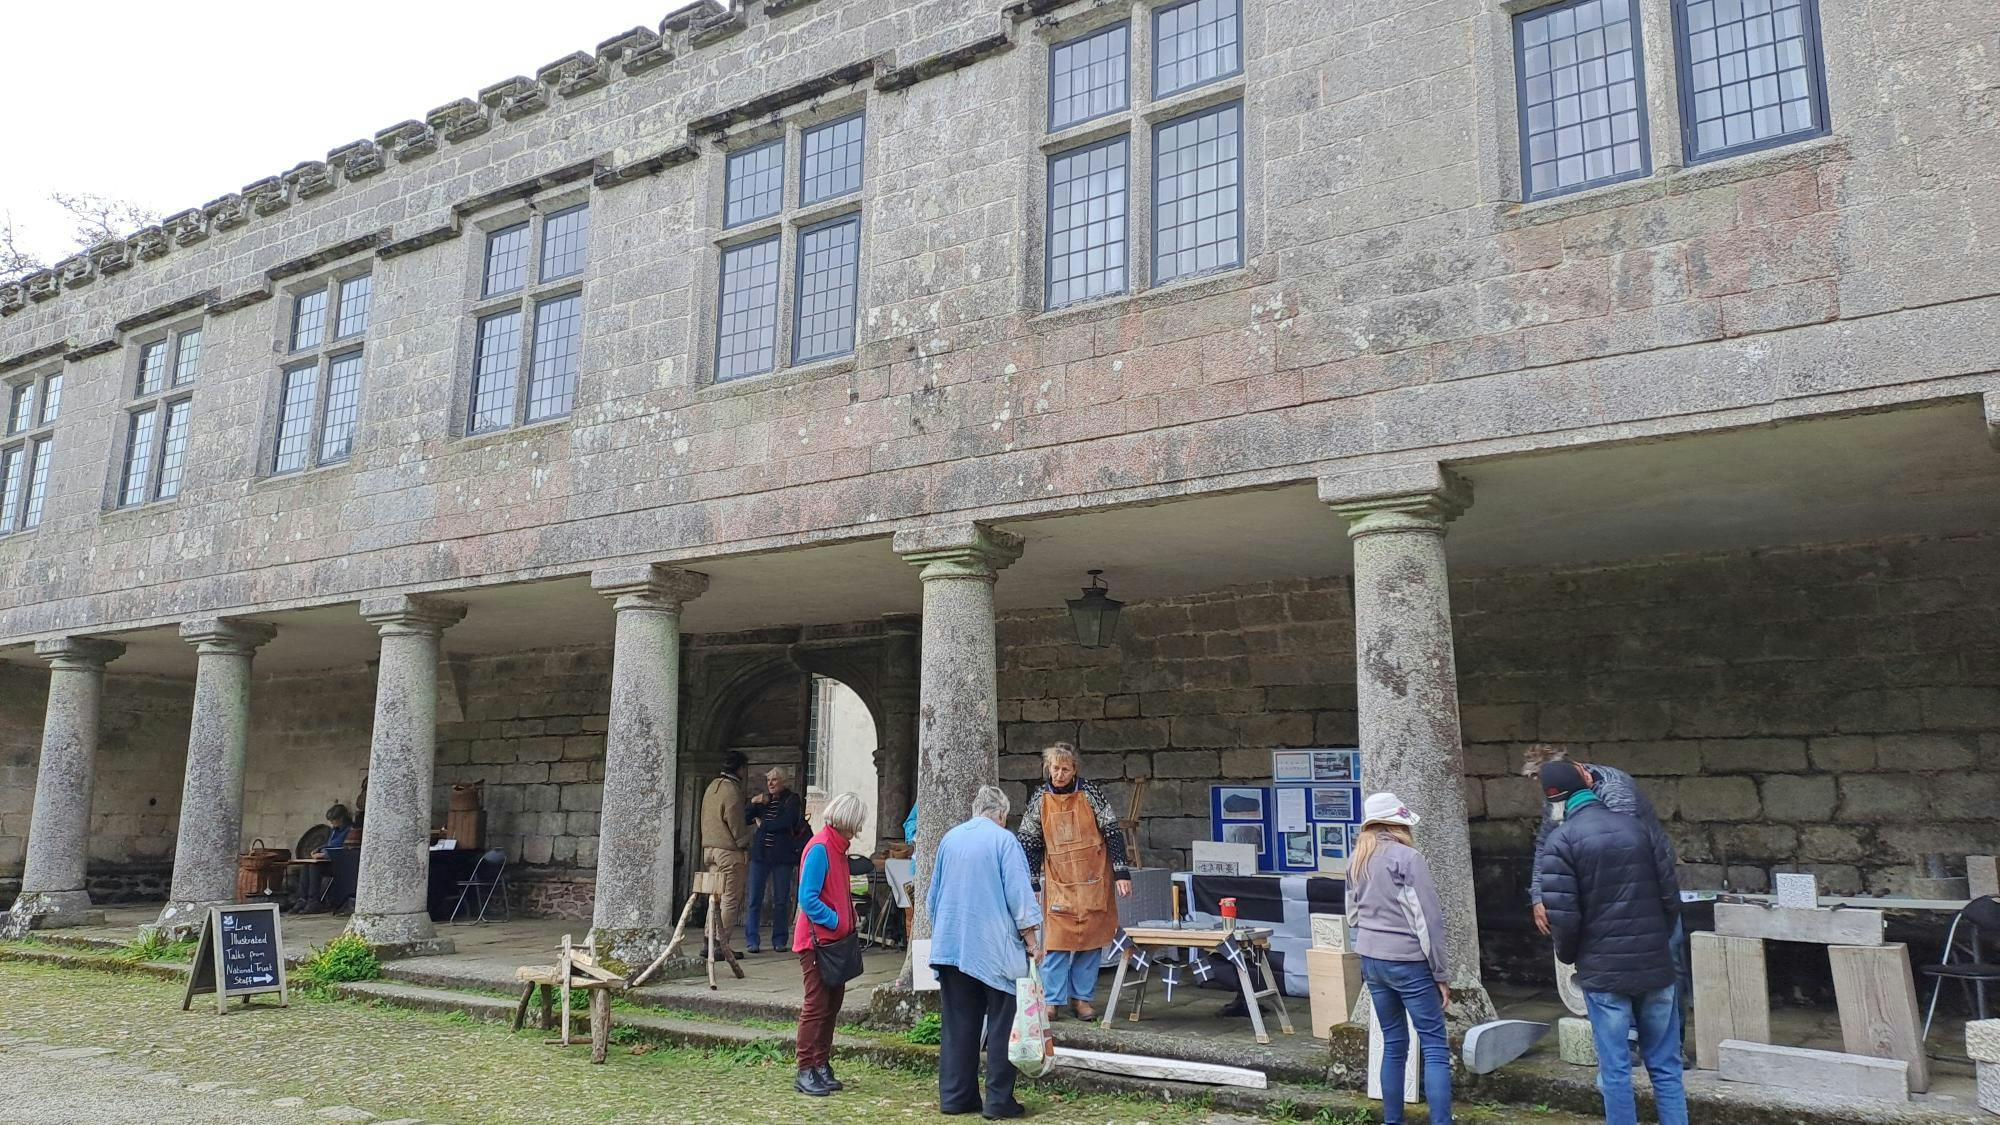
[[1877, 997], [1175, 1070], [1824, 927], [1334, 982], [1819, 1072], [1732, 999], [600, 1024], [521, 1013]]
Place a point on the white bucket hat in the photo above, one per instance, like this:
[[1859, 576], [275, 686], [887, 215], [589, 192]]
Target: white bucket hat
[[1387, 808]]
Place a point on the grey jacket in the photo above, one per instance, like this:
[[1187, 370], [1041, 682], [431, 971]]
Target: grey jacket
[[1619, 793], [1394, 913]]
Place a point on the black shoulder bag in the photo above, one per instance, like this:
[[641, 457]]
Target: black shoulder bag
[[840, 959]]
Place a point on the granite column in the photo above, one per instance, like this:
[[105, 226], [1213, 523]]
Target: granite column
[[896, 742], [632, 917], [390, 891], [52, 879], [212, 787], [1406, 681]]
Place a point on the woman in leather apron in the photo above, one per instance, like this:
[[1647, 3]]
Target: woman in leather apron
[[1077, 851]]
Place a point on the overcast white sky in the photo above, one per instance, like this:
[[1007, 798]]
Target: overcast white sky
[[170, 105]]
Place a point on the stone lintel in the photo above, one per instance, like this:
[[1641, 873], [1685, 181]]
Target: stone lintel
[[226, 636], [412, 613], [648, 586], [959, 550], [88, 653], [1418, 497]]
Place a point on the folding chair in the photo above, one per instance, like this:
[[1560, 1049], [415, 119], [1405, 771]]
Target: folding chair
[[471, 887], [1981, 917]]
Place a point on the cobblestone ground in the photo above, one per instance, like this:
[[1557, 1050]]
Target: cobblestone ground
[[86, 1046]]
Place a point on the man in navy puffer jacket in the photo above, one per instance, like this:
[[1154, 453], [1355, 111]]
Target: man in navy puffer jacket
[[1612, 902]]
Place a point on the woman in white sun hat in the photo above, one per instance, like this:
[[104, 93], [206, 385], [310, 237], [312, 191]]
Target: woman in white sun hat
[[1398, 929]]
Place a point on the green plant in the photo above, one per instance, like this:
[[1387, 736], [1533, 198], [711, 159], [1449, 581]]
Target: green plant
[[152, 945], [762, 1052], [929, 1029], [345, 958]]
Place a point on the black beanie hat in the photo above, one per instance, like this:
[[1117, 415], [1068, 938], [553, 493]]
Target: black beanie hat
[[1560, 779], [734, 761]]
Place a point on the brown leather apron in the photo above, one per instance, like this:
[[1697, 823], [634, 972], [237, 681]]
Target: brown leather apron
[[1076, 875]]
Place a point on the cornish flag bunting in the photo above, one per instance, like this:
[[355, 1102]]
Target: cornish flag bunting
[[1120, 944], [1170, 977], [1203, 968]]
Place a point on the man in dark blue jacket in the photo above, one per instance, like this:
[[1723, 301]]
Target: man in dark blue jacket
[[1613, 902], [779, 816]]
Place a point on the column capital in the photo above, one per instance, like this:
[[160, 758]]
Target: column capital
[[649, 586], [88, 654], [403, 614], [226, 636], [1420, 497], [963, 550]]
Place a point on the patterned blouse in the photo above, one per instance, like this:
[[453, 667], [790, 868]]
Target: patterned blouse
[[1107, 824]]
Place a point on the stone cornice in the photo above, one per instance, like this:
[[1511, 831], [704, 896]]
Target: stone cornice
[[649, 587], [46, 351], [406, 614], [89, 654]]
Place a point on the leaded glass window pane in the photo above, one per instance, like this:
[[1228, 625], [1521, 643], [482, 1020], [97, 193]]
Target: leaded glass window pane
[[152, 367], [495, 370], [565, 242], [1198, 194], [356, 295], [506, 259], [1195, 42], [747, 322], [1581, 96], [1087, 199], [308, 320], [552, 379], [1750, 73], [173, 452], [828, 263], [343, 397], [21, 408], [1090, 76], [295, 410], [755, 186], [187, 358], [12, 462], [38, 484], [832, 160], [138, 470], [51, 397]]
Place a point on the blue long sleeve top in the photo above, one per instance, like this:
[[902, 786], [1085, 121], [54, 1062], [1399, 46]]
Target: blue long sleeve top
[[980, 899], [812, 879]]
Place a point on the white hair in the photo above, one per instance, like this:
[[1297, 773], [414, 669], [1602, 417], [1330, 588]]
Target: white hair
[[991, 801], [779, 772], [846, 814]]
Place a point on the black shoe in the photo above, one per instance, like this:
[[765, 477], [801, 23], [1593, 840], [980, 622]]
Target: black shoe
[[1235, 1009], [811, 1084], [826, 1076], [752, 951], [1011, 1109]]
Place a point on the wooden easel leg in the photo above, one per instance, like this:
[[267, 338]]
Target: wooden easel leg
[[1243, 976], [600, 1024], [521, 1011], [1117, 993], [548, 1007], [708, 928]]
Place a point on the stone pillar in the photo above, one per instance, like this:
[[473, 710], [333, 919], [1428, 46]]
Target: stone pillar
[[896, 742], [633, 915], [958, 728], [212, 787], [389, 894], [52, 880], [1406, 680]]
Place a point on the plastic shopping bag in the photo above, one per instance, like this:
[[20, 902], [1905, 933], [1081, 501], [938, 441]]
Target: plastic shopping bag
[[1030, 1047]]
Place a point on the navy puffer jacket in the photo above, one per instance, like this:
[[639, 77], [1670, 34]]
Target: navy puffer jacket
[[1612, 901]]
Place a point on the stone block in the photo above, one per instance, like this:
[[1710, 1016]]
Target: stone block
[[1334, 982], [1731, 994], [1987, 1086], [1877, 998], [1753, 755], [1817, 1072], [1824, 926], [1805, 799], [1574, 1044], [1849, 753], [1719, 798], [1186, 763], [1329, 931], [1982, 878]]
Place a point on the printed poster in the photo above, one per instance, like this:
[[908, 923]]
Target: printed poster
[[1292, 811], [1291, 765]]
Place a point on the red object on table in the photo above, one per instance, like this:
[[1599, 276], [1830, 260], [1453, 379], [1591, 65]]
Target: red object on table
[[1228, 908]]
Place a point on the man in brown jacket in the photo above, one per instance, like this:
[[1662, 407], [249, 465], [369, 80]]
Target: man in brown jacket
[[725, 838]]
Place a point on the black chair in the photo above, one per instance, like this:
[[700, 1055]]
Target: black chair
[[1981, 918], [493, 866]]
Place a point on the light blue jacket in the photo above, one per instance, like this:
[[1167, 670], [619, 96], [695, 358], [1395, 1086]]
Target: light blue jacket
[[980, 900]]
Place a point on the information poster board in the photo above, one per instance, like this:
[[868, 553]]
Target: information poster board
[[1243, 814], [241, 954], [1325, 784]]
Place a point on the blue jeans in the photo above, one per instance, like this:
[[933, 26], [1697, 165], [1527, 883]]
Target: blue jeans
[[1400, 989], [1070, 976], [1658, 1017], [783, 882]]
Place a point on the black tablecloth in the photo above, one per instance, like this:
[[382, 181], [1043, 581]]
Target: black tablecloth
[[448, 869]]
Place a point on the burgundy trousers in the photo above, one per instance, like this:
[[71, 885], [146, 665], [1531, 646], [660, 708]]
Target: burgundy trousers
[[821, 1012]]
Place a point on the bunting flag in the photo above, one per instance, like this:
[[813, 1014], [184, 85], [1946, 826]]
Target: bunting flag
[[1119, 944], [1203, 968], [1231, 951], [1170, 978], [1140, 960]]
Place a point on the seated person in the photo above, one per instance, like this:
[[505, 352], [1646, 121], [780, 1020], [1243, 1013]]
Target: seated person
[[341, 825], [322, 884]]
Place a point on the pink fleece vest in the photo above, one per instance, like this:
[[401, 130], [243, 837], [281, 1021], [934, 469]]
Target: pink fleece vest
[[834, 892]]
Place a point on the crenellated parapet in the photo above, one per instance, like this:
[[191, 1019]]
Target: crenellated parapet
[[576, 75]]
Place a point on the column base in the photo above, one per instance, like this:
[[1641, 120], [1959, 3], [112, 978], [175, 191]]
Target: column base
[[49, 910], [185, 918], [400, 935], [897, 1006], [627, 950]]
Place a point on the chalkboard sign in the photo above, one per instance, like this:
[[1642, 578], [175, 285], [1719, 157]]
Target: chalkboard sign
[[241, 954]]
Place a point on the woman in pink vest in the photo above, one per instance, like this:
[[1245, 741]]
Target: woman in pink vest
[[826, 912]]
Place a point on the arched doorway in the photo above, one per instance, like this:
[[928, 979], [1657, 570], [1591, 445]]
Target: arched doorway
[[841, 749]]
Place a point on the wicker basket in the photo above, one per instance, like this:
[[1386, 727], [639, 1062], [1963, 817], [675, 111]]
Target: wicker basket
[[260, 871]]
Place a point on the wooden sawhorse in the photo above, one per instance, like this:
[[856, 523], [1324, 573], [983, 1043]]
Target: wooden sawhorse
[[1256, 945]]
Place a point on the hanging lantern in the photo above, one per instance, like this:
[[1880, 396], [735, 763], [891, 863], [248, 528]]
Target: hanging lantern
[[1095, 614]]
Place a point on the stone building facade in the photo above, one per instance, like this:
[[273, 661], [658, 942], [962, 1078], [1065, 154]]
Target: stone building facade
[[553, 438]]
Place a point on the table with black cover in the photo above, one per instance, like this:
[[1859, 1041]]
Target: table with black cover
[[449, 868], [1285, 903]]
